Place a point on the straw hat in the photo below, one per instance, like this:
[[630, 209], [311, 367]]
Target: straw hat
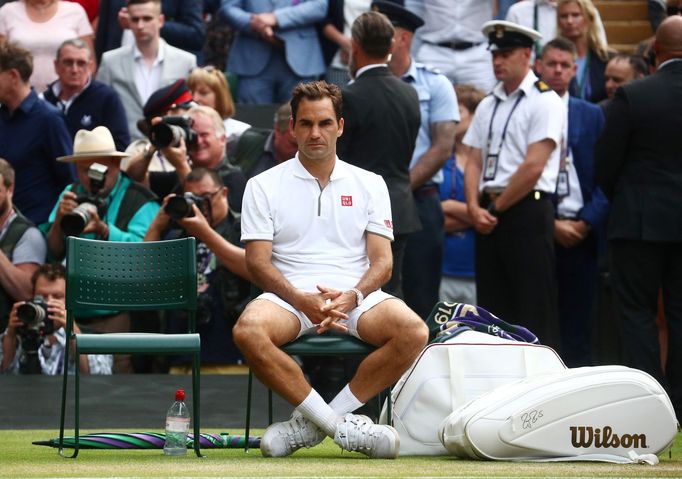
[[92, 145]]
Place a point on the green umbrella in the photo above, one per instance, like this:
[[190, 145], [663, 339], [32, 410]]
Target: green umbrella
[[150, 440]]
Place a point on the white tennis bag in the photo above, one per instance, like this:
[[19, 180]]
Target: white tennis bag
[[605, 413], [448, 375]]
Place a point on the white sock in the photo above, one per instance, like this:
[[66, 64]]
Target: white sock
[[316, 410], [345, 401]]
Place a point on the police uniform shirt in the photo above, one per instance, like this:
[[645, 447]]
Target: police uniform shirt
[[437, 103], [537, 115]]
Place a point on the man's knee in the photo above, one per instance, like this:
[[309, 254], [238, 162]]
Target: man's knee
[[248, 331]]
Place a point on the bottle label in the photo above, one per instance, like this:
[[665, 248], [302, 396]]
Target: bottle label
[[177, 424]]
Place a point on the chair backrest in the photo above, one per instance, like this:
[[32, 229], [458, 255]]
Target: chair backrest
[[131, 276]]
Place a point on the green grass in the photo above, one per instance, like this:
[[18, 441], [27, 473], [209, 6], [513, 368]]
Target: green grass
[[19, 458]]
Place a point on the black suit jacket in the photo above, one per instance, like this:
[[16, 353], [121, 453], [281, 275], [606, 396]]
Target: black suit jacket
[[639, 158], [381, 115], [184, 26]]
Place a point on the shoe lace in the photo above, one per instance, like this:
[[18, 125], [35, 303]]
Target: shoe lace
[[357, 434], [300, 433]]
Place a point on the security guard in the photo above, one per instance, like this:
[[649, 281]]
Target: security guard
[[439, 114], [515, 138]]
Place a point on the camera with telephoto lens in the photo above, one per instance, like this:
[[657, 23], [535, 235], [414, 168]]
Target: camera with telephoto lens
[[171, 130], [35, 326], [180, 206], [74, 222]]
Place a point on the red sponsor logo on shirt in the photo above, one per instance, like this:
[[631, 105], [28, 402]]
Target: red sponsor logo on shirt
[[346, 201], [388, 223]]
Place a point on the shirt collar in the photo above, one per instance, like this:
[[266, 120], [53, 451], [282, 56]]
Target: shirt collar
[[56, 88], [526, 86], [369, 67], [668, 62], [411, 73], [340, 170], [160, 55]]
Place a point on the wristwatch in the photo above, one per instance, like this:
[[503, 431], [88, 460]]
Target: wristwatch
[[492, 210], [359, 297]]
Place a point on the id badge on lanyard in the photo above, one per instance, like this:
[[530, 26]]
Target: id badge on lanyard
[[492, 159], [563, 187]]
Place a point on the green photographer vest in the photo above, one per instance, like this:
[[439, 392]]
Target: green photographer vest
[[7, 244]]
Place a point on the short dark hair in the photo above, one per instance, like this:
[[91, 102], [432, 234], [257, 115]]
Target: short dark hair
[[140, 2], [373, 32], [7, 173], [559, 43], [14, 56], [636, 62], [49, 271], [316, 90], [198, 174]]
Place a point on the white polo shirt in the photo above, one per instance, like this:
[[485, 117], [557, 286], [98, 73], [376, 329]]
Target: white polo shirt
[[532, 115], [318, 235]]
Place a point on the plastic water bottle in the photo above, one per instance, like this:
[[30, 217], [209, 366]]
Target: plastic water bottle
[[177, 426]]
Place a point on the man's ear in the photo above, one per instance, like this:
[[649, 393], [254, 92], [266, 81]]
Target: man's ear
[[340, 130]]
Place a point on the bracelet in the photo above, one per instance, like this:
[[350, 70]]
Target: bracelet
[[359, 297]]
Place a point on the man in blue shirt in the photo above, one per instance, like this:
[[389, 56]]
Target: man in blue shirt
[[439, 116], [32, 135]]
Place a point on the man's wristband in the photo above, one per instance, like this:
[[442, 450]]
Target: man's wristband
[[492, 210], [359, 297]]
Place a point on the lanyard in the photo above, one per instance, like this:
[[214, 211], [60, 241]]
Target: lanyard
[[506, 124]]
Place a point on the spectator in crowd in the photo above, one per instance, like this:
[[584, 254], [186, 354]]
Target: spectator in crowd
[[38, 348], [541, 15], [111, 207], [382, 120], [259, 150], [581, 207], [276, 46], [85, 102], [22, 247], [620, 70], [222, 293], [639, 169], [577, 21], [135, 71], [41, 26], [321, 271], [335, 37], [183, 25], [510, 176], [439, 116], [209, 87], [32, 135], [451, 39], [458, 283]]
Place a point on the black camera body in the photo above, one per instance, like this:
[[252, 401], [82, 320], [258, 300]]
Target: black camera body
[[180, 206], [33, 315], [171, 130], [74, 222]]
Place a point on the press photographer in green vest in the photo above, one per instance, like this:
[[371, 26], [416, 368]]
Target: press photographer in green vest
[[22, 248], [103, 204]]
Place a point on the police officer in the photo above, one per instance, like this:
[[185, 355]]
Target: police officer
[[513, 168], [435, 141]]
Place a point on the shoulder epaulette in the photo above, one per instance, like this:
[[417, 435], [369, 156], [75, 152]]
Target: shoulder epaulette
[[542, 86]]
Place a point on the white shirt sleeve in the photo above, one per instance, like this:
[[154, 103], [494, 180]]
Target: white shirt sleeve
[[380, 219], [257, 221]]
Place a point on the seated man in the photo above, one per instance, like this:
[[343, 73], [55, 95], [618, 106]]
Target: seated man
[[31, 345], [222, 293], [22, 247], [104, 204], [318, 234]]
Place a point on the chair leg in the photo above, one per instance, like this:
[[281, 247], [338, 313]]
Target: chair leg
[[196, 393], [248, 411], [76, 402], [62, 417]]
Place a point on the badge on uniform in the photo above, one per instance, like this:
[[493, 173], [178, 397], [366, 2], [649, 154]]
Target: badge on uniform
[[490, 167], [562, 186]]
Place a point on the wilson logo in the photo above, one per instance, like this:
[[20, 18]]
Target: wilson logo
[[587, 436]]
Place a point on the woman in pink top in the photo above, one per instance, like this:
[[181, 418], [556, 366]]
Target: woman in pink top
[[41, 26]]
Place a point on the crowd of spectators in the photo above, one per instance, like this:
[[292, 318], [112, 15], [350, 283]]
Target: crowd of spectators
[[121, 73]]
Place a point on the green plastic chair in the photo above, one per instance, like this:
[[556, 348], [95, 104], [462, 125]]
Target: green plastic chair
[[131, 277], [328, 344]]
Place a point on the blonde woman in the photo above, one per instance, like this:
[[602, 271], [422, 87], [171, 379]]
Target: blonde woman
[[41, 26], [577, 22], [209, 88]]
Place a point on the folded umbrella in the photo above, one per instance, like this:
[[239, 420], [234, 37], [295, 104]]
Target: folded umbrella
[[150, 440]]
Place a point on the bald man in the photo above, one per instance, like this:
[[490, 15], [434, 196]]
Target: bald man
[[639, 167]]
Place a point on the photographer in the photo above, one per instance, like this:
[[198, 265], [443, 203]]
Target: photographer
[[104, 204], [35, 338], [203, 211]]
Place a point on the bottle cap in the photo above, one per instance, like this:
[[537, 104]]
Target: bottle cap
[[180, 395]]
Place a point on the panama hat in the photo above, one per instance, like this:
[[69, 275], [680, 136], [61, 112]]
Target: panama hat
[[92, 145]]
